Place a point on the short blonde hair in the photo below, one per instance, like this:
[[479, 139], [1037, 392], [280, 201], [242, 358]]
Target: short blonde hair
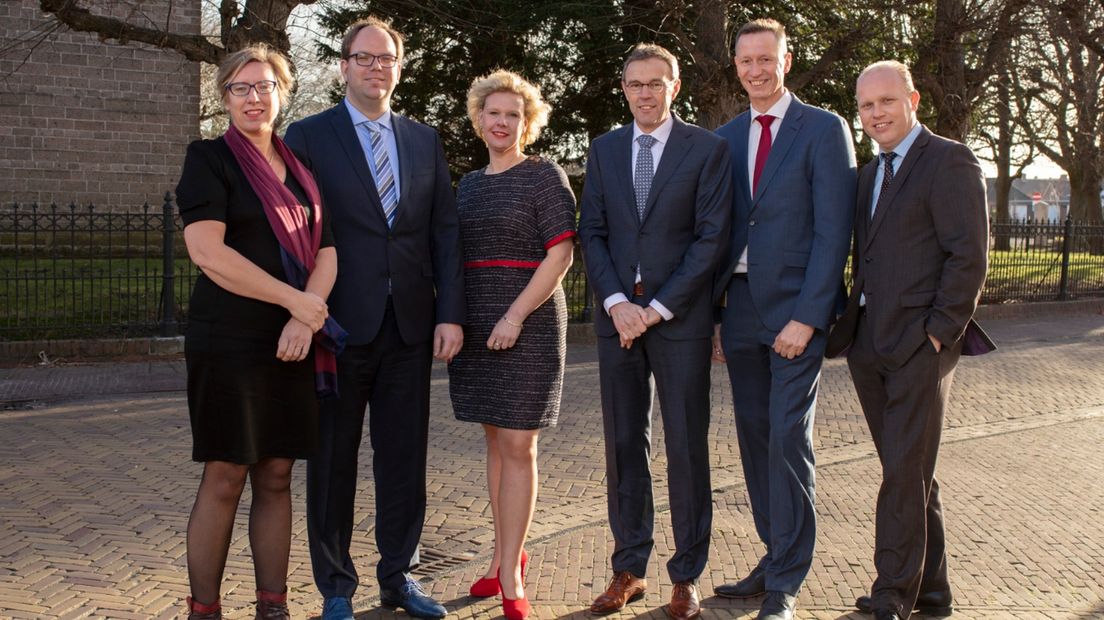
[[258, 52], [501, 81], [899, 68]]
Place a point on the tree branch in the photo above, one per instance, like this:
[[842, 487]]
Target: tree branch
[[192, 47]]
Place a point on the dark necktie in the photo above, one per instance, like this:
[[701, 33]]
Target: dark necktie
[[763, 151], [643, 173], [887, 178]]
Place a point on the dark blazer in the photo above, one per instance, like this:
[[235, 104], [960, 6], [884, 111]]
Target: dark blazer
[[681, 239], [420, 255], [796, 229], [921, 261]]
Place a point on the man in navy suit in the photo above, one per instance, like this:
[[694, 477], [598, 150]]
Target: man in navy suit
[[654, 225], [793, 167], [400, 296]]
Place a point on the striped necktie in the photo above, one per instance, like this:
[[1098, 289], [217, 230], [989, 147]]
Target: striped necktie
[[385, 176]]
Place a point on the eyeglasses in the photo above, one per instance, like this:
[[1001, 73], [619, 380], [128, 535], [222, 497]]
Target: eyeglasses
[[655, 86], [241, 89], [365, 59]]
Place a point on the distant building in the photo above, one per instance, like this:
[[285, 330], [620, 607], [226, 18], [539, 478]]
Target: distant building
[[1034, 199], [89, 122]]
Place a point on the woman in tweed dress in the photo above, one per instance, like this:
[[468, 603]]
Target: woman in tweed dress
[[517, 224]]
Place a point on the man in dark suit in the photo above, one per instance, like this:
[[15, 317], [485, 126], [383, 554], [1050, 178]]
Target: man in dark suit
[[654, 224], [400, 296], [921, 246], [794, 171]]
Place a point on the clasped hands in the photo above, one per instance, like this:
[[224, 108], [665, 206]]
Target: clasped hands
[[308, 314], [632, 321]]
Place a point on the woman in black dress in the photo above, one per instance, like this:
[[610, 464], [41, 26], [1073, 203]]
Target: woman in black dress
[[253, 224], [517, 223]]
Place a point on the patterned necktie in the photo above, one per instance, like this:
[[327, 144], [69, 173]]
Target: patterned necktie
[[642, 175], [887, 178], [763, 151], [385, 177]]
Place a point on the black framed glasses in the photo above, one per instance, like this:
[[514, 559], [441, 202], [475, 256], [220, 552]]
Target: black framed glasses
[[365, 59], [656, 86], [241, 89]]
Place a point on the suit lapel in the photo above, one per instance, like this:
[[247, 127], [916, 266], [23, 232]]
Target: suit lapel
[[740, 154], [787, 132], [406, 165], [865, 193], [678, 143], [915, 152], [623, 167], [343, 127]]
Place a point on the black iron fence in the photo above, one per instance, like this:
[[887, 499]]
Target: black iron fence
[[1044, 261], [77, 272]]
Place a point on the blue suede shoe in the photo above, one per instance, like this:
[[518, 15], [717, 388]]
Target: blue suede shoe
[[414, 600], [337, 608]]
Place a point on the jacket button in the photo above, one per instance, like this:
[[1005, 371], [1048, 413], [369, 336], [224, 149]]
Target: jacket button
[[751, 223], [868, 260]]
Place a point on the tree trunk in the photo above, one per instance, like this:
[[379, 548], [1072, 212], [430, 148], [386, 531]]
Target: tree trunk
[[1085, 207], [1004, 165]]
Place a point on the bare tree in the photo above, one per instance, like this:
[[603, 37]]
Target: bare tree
[[1064, 81], [240, 23], [961, 45]]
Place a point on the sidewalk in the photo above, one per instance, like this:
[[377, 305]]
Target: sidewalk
[[96, 484]]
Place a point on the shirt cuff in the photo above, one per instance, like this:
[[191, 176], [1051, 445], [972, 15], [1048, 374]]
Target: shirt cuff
[[613, 300], [662, 310]]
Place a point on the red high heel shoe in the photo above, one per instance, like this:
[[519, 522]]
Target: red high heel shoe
[[515, 609], [487, 587]]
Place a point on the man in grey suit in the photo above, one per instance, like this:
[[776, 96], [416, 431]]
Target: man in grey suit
[[400, 296], [794, 171], [921, 246], [654, 225]]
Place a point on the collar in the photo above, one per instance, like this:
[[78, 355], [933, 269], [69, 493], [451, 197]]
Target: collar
[[778, 110], [661, 133], [359, 117], [903, 147]]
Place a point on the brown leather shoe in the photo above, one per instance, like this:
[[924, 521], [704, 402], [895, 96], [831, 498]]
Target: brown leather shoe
[[684, 602], [623, 589]]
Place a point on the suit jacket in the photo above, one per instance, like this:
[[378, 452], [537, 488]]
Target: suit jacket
[[420, 256], [797, 225], [921, 260], [681, 238]]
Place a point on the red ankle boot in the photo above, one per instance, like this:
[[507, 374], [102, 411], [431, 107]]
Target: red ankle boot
[[199, 611], [272, 606]]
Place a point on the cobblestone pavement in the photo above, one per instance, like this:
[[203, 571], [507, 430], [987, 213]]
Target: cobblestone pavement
[[96, 484]]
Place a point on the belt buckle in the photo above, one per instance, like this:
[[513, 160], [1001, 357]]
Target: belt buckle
[[638, 289]]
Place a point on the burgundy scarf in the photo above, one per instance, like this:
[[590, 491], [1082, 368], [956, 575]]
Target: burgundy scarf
[[299, 242]]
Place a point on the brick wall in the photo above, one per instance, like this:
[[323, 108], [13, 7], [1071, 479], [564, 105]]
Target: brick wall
[[91, 122]]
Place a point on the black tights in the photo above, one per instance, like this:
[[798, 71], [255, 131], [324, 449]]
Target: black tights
[[212, 523]]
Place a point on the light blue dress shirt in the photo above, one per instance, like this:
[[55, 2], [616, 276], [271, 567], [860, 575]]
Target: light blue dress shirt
[[389, 142], [901, 150]]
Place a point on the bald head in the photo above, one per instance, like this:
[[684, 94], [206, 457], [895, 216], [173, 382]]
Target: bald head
[[887, 102]]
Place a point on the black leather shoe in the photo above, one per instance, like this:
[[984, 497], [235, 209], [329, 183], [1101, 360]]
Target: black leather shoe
[[414, 600], [934, 604], [886, 614], [752, 585], [777, 606]]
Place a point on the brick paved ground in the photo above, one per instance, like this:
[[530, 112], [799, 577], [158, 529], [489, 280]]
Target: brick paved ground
[[96, 483]]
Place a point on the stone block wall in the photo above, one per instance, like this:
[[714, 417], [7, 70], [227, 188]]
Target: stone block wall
[[91, 122]]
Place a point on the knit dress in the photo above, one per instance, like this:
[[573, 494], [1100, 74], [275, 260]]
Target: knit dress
[[507, 223]]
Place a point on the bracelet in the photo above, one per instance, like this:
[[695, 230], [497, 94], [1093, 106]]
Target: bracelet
[[511, 323]]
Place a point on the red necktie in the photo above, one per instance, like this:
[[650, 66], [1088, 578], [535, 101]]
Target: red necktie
[[763, 151]]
